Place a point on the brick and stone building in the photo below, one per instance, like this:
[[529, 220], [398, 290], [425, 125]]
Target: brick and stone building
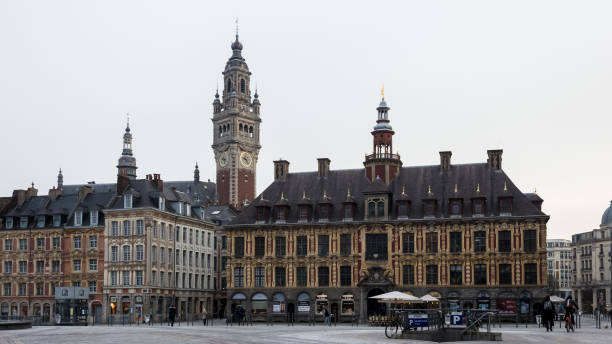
[[591, 254], [461, 232]]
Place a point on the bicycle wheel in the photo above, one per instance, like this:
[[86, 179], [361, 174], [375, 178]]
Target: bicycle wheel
[[391, 330]]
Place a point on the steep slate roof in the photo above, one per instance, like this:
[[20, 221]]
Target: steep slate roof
[[416, 181]]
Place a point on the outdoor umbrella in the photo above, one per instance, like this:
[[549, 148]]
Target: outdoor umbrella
[[429, 298], [396, 296]]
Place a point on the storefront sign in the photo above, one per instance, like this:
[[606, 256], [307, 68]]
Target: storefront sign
[[303, 306], [276, 308], [348, 305], [417, 320]]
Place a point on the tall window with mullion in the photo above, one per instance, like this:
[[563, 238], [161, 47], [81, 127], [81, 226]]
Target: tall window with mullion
[[529, 240], [279, 276], [408, 274], [345, 276], [431, 242], [323, 245], [280, 246], [345, 244], [505, 241], [505, 273], [376, 246], [456, 274], [301, 246], [260, 276], [455, 242], [408, 242], [531, 273], [260, 246], [480, 241], [323, 276], [431, 274], [239, 277], [239, 247], [480, 274], [301, 276]]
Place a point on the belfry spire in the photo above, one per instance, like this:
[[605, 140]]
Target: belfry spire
[[127, 161]]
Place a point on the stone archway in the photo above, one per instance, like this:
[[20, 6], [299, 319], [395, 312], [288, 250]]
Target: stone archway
[[375, 307], [375, 281]]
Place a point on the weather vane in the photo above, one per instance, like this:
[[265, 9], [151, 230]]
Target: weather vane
[[236, 26]]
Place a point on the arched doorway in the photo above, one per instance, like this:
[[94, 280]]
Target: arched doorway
[[375, 307]]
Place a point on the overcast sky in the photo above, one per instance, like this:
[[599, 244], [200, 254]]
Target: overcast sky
[[533, 78]]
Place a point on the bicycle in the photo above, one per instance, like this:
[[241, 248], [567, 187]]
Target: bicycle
[[394, 325], [569, 325]]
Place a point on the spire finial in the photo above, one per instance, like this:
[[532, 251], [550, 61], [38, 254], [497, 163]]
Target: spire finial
[[505, 186], [197, 164], [236, 28], [535, 191], [382, 91], [282, 195], [478, 187], [261, 197], [128, 119], [429, 189], [324, 194], [304, 195], [348, 192]]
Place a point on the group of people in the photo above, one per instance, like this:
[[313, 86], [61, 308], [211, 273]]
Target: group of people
[[239, 315], [550, 313]]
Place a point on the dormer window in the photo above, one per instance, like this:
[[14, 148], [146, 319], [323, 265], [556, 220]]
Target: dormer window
[[455, 207], [348, 212], [23, 222], [9, 222], [127, 201], [188, 209], [376, 208], [260, 214], [41, 221], [180, 208], [429, 208], [57, 220], [478, 207], [93, 217], [324, 212], [161, 203], [281, 214], [402, 209], [303, 213], [505, 206], [78, 218]]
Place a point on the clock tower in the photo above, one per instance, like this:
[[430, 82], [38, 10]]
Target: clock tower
[[236, 132]]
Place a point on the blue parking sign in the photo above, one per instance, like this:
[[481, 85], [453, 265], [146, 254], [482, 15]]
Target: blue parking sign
[[417, 320], [456, 318]]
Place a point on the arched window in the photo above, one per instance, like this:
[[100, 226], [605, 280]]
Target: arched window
[[381, 208], [240, 127], [229, 85], [242, 86], [251, 131]]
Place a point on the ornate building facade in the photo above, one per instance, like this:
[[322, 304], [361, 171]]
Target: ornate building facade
[[236, 121], [559, 257], [463, 233]]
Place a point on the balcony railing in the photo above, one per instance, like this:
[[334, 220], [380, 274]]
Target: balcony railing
[[382, 156]]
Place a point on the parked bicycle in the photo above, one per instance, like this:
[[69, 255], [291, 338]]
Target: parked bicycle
[[394, 325]]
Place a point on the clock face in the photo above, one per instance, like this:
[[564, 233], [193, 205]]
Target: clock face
[[246, 159], [223, 159]]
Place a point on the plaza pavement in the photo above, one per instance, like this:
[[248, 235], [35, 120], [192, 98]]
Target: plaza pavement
[[260, 333]]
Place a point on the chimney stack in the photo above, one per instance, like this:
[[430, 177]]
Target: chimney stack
[[445, 160], [281, 169], [158, 182], [495, 159], [84, 191], [20, 196], [323, 167], [123, 181], [55, 193]]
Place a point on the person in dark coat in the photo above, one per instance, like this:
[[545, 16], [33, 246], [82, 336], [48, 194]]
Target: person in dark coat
[[172, 315], [548, 315]]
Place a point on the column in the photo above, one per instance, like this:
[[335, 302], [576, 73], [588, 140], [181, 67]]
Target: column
[[579, 298], [608, 303], [595, 303]]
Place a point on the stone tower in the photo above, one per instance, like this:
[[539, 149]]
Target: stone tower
[[382, 162], [127, 162], [236, 132]]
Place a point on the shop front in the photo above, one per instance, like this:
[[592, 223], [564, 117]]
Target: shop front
[[484, 300], [259, 306], [138, 301], [347, 307], [303, 307], [71, 306], [453, 301], [321, 304]]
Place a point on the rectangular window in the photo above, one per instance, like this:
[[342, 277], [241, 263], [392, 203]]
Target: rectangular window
[[348, 211], [23, 244], [531, 273], [279, 276], [223, 263], [23, 266], [8, 267], [504, 241], [402, 209], [22, 289], [93, 265], [40, 289], [408, 274], [139, 277], [480, 274], [345, 245], [78, 217], [281, 214], [114, 228], [93, 241], [114, 253], [40, 243], [126, 278], [56, 243], [345, 276], [279, 246], [323, 212], [139, 227], [301, 246], [301, 276], [323, 276], [480, 241], [408, 242], [41, 222], [8, 244], [505, 206], [127, 253], [127, 228], [77, 242], [529, 240], [260, 276], [431, 274], [113, 275], [76, 265], [223, 242], [323, 245], [455, 207], [93, 286], [153, 254], [7, 289], [431, 242], [478, 207], [93, 217], [376, 246], [127, 201], [239, 277], [55, 266], [303, 213], [429, 208], [57, 220], [40, 266], [260, 214], [9, 222], [505, 274], [456, 274], [455, 242], [239, 247]]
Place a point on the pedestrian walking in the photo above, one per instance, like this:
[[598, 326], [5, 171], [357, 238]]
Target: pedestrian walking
[[171, 315], [326, 315], [204, 315], [549, 314]]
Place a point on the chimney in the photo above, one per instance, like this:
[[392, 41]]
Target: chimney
[[445, 160], [323, 167], [20, 196], [281, 169], [495, 159], [84, 191], [31, 192], [123, 181], [55, 193], [158, 182]]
